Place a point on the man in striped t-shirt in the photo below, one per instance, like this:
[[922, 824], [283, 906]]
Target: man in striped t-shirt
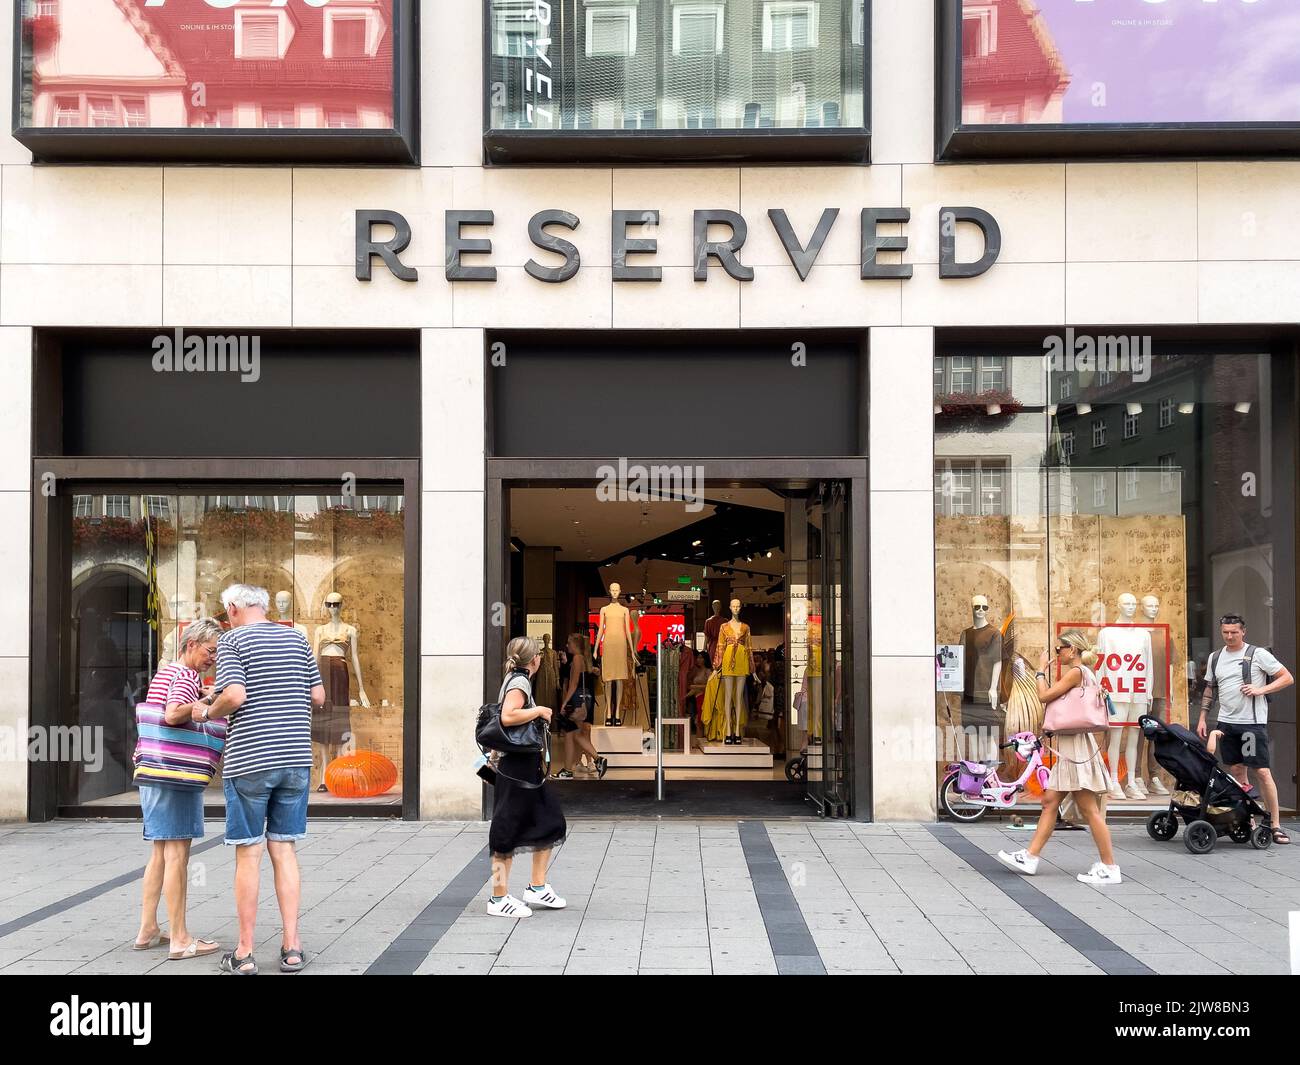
[[268, 684]]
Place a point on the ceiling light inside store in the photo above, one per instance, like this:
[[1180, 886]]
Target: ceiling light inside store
[[1084, 408], [696, 543], [1186, 408], [1243, 407], [1133, 409]]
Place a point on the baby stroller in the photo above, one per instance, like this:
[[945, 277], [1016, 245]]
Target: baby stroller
[[1207, 798]]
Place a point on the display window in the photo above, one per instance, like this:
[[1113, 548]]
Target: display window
[[1185, 515], [612, 73], [143, 567], [1017, 74], [248, 78]]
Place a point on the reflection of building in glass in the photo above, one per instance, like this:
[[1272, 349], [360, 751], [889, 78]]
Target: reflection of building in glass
[[118, 63], [677, 64], [1011, 69]]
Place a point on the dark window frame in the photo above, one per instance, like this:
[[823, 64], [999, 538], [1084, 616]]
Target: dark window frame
[[591, 147], [398, 145], [956, 141]]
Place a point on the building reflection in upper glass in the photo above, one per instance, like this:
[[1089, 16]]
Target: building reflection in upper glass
[[187, 64]]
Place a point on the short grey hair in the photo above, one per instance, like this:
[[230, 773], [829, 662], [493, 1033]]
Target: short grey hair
[[245, 595], [200, 632]]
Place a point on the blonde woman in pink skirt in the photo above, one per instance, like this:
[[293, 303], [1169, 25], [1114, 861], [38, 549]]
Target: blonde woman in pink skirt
[[1078, 771]]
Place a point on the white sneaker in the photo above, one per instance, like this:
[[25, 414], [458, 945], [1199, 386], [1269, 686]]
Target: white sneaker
[[544, 897], [507, 906], [1157, 787], [1116, 792], [1021, 861], [1101, 874], [1135, 790]]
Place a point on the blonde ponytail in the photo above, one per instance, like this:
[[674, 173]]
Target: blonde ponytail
[[519, 652], [1088, 654]]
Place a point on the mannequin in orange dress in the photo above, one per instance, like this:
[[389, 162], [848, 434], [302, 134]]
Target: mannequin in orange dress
[[734, 655], [614, 641]]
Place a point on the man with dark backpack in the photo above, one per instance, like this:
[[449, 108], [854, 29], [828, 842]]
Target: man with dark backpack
[[1243, 677]]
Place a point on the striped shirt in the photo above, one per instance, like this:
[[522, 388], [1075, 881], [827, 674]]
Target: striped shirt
[[184, 755], [272, 730], [176, 683]]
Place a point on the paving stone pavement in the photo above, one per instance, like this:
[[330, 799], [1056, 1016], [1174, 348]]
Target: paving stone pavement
[[673, 897]]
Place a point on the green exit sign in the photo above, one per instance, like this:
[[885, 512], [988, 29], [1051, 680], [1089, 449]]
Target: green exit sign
[[684, 580]]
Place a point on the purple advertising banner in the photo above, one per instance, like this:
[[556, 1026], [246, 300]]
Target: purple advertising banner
[[1130, 61]]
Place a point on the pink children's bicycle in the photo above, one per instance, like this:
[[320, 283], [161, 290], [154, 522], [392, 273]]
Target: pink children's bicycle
[[970, 789]]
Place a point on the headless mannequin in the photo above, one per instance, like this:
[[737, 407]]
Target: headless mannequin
[[1129, 706], [737, 661], [615, 623]]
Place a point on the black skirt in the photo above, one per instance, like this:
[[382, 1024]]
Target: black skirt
[[524, 819]]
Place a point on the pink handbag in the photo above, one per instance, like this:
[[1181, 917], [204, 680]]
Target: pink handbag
[[1081, 709]]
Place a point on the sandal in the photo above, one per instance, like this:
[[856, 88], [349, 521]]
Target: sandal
[[161, 937], [198, 948], [234, 965], [296, 952], [1280, 837]]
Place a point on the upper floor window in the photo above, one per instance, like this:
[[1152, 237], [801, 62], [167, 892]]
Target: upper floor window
[[638, 80], [162, 80], [1142, 77]]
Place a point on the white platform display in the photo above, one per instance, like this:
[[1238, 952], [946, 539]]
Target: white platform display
[[634, 749], [609, 740]]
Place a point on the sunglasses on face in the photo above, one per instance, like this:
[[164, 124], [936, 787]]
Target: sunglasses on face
[[1062, 647]]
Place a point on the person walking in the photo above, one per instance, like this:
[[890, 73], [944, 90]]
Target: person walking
[[526, 815], [1078, 771], [268, 684], [175, 758], [1243, 677], [576, 708]]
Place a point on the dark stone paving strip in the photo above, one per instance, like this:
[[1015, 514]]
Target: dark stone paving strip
[[406, 953], [1094, 946], [56, 908], [792, 944]]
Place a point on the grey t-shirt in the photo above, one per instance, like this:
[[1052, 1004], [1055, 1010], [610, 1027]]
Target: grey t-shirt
[[1234, 707]]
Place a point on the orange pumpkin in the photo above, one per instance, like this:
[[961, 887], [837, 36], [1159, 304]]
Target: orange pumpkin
[[360, 776]]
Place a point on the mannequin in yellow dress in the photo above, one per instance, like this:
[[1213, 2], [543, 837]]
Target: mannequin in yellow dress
[[812, 682], [614, 644], [735, 654]]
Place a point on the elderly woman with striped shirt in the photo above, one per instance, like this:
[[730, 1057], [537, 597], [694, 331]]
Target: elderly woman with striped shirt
[[171, 771]]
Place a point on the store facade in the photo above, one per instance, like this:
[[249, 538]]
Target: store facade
[[821, 250]]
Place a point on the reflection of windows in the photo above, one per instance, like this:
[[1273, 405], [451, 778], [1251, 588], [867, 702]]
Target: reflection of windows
[[1005, 114], [257, 36], [345, 35], [993, 373], [1166, 413], [976, 487], [279, 118], [697, 29], [1131, 476], [341, 119], [961, 373], [1067, 387], [67, 111], [611, 30], [859, 22], [979, 31], [1099, 490], [514, 28], [81, 506], [117, 506], [158, 507], [102, 111], [134, 114], [1168, 476], [1130, 425], [1067, 446], [1099, 432], [789, 25]]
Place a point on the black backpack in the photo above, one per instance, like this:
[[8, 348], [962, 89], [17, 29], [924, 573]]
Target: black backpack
[[1246, 662]]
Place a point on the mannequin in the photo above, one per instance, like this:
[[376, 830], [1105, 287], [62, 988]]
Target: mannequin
[[712, 625], [336, 643], [983, 645], [284, 611], [614, 644], [1146, 774], [812, 682], [546, 683], [735, 654], [1123, 641]]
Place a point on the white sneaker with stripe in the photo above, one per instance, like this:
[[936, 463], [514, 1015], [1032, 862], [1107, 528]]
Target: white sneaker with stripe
[[507, 906], [544, 897]]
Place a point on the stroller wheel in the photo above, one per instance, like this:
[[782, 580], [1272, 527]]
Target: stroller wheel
[[1240, 832], [1162, 826], [1261, 838], [1200, 837], [794, 770]]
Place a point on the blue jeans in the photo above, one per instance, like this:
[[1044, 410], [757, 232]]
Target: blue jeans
[[270, 805], [171, 813]]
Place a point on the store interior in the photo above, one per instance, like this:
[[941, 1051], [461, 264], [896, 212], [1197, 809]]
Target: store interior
[[700, 616]]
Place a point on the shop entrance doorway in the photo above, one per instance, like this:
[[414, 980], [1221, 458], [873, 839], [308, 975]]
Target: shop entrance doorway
[[717, 627]]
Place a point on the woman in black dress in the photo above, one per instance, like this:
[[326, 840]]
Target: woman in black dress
[[524, 817]]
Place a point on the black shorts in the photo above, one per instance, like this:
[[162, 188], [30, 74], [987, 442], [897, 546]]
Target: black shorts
[[1244, 745]]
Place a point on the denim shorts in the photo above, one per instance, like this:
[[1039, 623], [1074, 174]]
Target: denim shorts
[[271, 804], [171, 813]]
